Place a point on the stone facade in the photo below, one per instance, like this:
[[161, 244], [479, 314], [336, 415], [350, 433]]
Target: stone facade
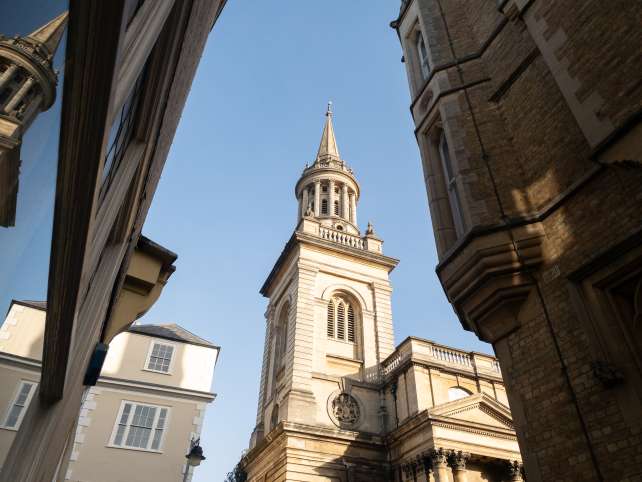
[[337, 401], [527, 116]]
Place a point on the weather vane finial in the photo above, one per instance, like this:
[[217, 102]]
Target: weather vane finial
[[329, 111]]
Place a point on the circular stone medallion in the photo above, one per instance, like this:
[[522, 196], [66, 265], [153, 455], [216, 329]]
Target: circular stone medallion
[[344, 410]]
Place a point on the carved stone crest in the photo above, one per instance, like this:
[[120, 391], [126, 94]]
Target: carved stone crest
[[344, 410]]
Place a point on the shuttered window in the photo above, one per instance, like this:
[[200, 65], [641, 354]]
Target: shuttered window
[[331, 319], [341, 320], [350, 324]]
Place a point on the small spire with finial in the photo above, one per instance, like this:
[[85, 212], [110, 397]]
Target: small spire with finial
[[328, 146]]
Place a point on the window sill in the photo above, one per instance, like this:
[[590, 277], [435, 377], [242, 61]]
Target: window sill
[[339, 340], [136, 449], [156, 371], [11, 429], [343, 358]]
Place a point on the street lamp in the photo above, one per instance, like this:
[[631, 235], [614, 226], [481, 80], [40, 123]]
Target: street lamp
[[194, 457]]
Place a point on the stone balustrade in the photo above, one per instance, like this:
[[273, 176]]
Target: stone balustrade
[[430, 352], [341, 237]]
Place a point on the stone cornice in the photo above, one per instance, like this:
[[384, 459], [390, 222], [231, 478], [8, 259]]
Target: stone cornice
[[303, 238]]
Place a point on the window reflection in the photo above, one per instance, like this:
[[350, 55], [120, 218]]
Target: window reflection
[[32, 50], [120, 134]]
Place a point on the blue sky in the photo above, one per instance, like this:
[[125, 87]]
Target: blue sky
[[226, 205]]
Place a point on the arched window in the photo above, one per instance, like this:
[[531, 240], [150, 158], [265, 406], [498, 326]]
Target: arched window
[[341, 320], [455, 393], [282, 333], [422, 55], [336, 208], [280, 343], [324, 206], [451, 184]]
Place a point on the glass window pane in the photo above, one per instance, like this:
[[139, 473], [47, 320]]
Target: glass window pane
[[29, 156], [12, 419]]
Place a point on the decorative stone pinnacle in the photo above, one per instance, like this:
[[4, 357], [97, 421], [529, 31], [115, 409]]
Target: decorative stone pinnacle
[[370, 229]]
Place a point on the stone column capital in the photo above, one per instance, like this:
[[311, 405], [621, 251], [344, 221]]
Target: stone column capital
[[457, 459], [439, 457], [515, 471]]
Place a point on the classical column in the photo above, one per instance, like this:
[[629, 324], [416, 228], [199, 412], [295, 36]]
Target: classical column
[[306, 201], [345, 208], [8, 75], [18, 96], [515, 471], [439, 460], [331, 198], [353, 208], [317, 197], [457, 461]]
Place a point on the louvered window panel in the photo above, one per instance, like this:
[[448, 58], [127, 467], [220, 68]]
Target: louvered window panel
[[331, 320], [336, 208], [341, 321], [324, 206], [350, 324]]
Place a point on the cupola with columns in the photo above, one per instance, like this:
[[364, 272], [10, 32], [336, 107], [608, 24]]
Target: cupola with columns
[[27, 78], [27, 87], [328, 190]]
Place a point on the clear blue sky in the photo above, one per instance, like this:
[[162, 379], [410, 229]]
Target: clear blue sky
[[225, 203]]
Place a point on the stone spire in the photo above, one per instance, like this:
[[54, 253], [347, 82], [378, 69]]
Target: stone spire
[[328, 147], [48, 36]]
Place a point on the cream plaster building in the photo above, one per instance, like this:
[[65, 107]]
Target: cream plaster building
[[137, 422], [337, 400]]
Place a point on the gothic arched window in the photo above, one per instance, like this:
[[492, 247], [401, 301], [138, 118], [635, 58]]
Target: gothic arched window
[[341, 320]]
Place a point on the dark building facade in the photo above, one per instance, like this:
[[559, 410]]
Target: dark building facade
[[527, 117], [128, 68]]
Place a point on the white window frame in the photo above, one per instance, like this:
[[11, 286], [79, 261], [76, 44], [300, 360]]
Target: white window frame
[[25, 407], [112, 443], [170, 369]]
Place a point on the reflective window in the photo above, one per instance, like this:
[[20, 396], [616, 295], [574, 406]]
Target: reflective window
[[30, 127]]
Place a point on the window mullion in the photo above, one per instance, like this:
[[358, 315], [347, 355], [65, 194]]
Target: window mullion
[[128, 423], [152, 434]]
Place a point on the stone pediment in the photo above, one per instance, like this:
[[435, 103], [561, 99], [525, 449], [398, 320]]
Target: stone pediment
[[478, 409]]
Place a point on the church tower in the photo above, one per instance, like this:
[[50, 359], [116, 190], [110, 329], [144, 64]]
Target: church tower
[[27, 87], [328, 328]]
